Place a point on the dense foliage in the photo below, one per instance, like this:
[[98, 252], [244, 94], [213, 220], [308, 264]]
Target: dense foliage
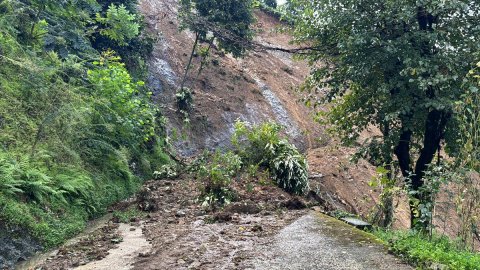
[[271, 3], [229, 20], [77, 131], [257, 149], [396, 65], [263, 146]]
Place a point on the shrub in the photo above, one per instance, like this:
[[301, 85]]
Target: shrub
[[184, 99], [289, 168], [216, 175], [120, 24], [166, 171], [263, 146]]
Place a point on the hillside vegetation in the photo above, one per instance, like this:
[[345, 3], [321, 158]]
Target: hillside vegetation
[[77, 130]]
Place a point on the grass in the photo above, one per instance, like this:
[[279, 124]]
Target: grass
[[422, 252]]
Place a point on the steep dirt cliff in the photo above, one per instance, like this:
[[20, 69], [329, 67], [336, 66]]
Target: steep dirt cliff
[[256, 88]]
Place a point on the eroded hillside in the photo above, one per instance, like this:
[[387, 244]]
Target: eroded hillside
[[257, 88]]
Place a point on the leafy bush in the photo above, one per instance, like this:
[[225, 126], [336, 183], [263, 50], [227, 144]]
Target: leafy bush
[[121, 25], [421, 251], [289, 168], [263, 146], [216, 174], [184, 99]]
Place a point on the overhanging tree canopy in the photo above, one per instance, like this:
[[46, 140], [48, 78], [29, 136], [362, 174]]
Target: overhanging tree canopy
[[396, 64]]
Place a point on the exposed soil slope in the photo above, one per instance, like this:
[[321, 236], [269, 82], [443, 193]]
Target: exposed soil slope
[[256, 88], [259, 87]]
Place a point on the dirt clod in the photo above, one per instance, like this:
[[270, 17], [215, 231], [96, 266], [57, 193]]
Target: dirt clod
[[247, 207], [294, 204]]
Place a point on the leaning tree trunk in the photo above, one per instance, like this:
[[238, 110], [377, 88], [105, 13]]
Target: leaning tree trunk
[[197, 37], [434, 130]]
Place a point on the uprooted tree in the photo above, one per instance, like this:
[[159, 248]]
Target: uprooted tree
[[396, 65]]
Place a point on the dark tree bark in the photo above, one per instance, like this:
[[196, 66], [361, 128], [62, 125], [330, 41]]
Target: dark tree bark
[[197, 37], [434, 131], [402, 151]]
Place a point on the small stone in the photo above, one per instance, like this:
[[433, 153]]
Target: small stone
[[315, 176], [180, 213], [134, 219], [266, 213], [144, 254], [438, 266], [257, 228], [116, 240], [222, 217], [194, 265], [133, 229], [180, 261]]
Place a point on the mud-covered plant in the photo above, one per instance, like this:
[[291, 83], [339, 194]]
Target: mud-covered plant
[[263, 146], [168, 171], [184, 99], [216, 175]]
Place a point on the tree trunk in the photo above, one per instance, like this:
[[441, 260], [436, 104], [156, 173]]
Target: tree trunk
[[434, 130], [205, 58], [197, 36], [402, 151]]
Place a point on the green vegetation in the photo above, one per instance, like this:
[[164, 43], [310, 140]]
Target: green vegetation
[[127, 215], [425, 252], [271, 3], [396, 65], [259, 151], [262, 146], [77, 130], [184, 99], [120, 24], [216, 175]]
